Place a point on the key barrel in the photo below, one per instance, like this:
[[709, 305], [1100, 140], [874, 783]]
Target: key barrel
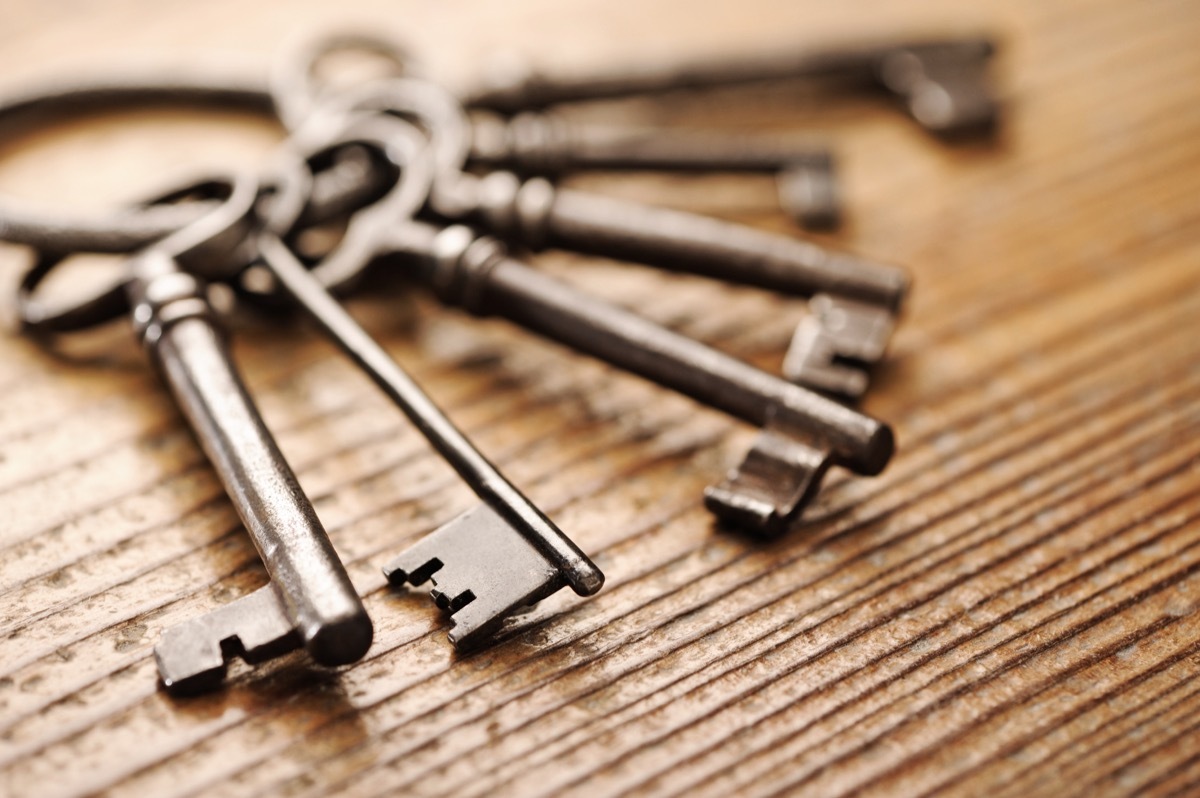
[[174, 320]]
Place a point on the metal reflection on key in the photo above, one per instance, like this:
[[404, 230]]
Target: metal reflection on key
[[309, 601]]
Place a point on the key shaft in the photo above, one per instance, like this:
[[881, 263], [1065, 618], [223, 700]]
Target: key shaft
[[549, 143], [536, 214], [321, 607]]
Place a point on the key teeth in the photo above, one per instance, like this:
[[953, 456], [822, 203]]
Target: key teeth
[[774, 483], [486, 571], [451, 603], [398, 574], [192, 656]]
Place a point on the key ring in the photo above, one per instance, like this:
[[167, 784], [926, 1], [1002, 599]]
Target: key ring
[[55, 236], [402, 144], [215, 233], [293, 85]]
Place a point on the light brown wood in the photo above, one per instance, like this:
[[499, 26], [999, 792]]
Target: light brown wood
[[1009, 610]]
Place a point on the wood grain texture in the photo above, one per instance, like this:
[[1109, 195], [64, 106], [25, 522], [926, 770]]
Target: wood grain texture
[[1009, 610]]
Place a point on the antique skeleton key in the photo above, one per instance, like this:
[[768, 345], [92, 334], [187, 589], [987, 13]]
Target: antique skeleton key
[[490, 561], [309, 601], [803, 434], [941, 84], [536, 214], [549, 143], [498, 557]]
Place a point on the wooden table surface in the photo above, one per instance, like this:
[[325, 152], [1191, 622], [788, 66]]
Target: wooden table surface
[[1009, 610]]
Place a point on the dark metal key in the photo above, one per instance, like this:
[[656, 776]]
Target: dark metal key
[[490, 561], [941, 84], [535, 214], [310, 601], [803, 433], [552, 144]]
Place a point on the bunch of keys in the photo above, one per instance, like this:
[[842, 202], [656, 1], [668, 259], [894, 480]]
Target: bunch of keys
[[404, 163]]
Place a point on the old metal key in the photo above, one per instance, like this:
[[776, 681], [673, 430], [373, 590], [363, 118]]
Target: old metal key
[[803, 434], [498, 557], [941, 83], [310, 601], [551, 144], [536, 214]]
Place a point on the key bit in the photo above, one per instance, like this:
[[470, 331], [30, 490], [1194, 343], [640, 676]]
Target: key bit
[[551, 144], [778, 477], [804, 433], [942, 84], [489, 561], [191, 656], [836, 345], [481, 573], [310, 601], [808, 193]]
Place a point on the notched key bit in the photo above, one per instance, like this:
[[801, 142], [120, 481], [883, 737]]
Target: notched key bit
[[310, 601], [808, 193], [778, 477], [482, 571], [191, 656], [836, 345]]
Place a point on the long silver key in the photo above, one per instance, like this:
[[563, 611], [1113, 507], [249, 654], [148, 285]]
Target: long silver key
[[803, 434], [310, 601], [490, 561], [551, 144], [941, 84], [536, 214]]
